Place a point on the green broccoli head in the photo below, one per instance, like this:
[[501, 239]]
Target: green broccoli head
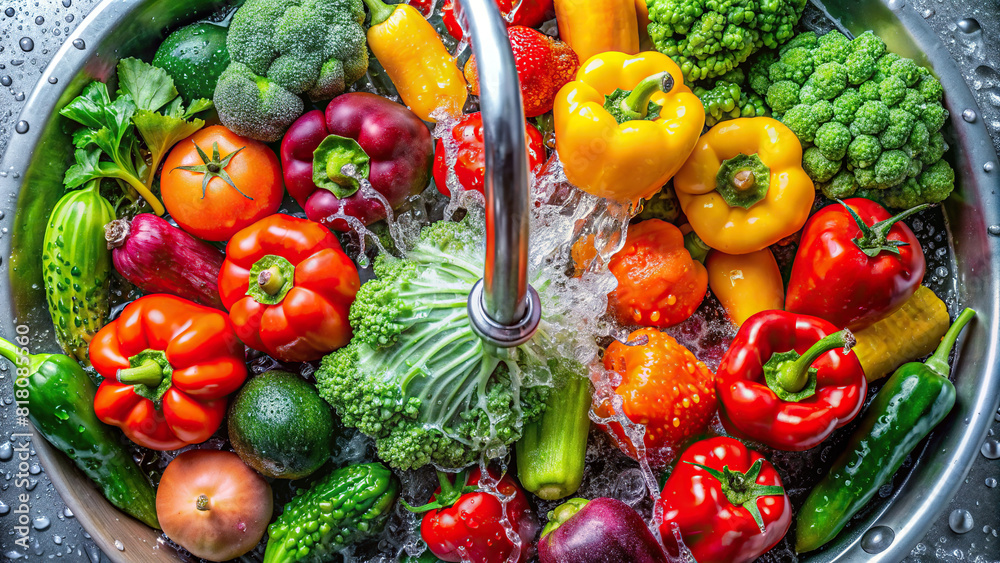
[[873, 117], [415, 376], [708, 38], [727, 100], [288, 48]]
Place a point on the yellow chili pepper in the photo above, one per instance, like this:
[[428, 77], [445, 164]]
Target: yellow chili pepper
[[417, 62], [626, 124], [597, 26], [743, 187], [745, 284]]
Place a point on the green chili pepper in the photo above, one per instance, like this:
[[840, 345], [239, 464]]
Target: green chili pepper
[[913, 401], [59, 397]]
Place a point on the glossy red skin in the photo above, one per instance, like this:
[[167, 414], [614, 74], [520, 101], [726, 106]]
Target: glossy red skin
[[312, 319], [832, 279], [715, 530], [529, 13], [474, 523], [396, 140], [750, 409], [470, 162]]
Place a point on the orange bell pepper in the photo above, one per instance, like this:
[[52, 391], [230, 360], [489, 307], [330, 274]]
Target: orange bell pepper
[[626, 124], [288, 287], [168, 366], [598, 26]]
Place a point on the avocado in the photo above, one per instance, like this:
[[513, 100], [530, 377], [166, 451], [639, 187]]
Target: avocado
[[279, 425]]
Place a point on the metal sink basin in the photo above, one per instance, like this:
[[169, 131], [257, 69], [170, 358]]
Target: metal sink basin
[[40, 152]]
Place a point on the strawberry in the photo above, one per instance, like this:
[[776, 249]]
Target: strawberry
[[529, 13], [662, 385], [544, 65]]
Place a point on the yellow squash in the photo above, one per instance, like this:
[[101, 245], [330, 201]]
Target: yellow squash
[[626, 124], [743, 188], [417, 62]]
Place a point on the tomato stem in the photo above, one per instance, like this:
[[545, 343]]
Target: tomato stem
[[742, 489], [875, 238], [202, 503]]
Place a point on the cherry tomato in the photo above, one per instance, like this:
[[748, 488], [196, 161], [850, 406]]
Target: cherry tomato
[[216, 182]]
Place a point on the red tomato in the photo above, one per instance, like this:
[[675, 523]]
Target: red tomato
[[470, 523], [197, 194]]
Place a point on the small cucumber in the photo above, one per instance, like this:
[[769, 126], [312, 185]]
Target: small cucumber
[[77, 267]]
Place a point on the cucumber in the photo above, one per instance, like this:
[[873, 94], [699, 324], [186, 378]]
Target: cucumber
[[349, 504], [76, 265]]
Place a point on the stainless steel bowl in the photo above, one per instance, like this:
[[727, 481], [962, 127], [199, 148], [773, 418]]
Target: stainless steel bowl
[[31, 182]]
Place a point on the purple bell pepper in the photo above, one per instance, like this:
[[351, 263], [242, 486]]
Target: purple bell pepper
[[361, 137], [604, 530]]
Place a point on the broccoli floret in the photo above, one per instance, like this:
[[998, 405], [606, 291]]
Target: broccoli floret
[[415, 376], [863, 151], [829, 80], [868, 120], [817, 166], [843, 186], [872, 118], [708, 38], [253, 106], [832, 139], [727, 100], [934, 184], [311, 47], [758, 77], [662, 205]]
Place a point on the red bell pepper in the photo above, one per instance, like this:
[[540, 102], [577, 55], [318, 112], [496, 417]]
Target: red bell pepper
[[529, 13], [168, 366], [726, 500], [288, 287], [384, 142], [470, 160], [463, 523], [855, 265], [786, 382]]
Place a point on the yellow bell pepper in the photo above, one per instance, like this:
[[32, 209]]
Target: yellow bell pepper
[[745, 284], [417, 62], [626, 124], [596, 26], [743, 187]]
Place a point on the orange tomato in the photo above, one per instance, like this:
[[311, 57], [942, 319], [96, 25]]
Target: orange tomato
[[216, 182]]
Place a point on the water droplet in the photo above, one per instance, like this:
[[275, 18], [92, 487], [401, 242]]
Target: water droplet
[[9, 12], [39, 20], [896, 4], [19, 97], [67, 3], [17, 62], [4, 508], [960, 521], [53, 80], [969, 115], [6, 80], [6, 451], [57, 540], [26, 44], [41, 523], [988, 167], [21, 127], [68, 513], [994, 230], [941, 271], [119, 545], [79, 44], [69, 18], [991, 482], [877, 539], [990, 449], [969, 25], [929, 12], [1, 217]]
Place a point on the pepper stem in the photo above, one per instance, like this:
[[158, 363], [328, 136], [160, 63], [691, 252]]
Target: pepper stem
[[380, 11], [793, 375], [562, 513], [743, 180], [636, 104], [742, 489], [449, 494], [148, 373], [938, 362], [9, 351], [116, 232], [696, 247], [875, 238], [203, 503], [271, 280]]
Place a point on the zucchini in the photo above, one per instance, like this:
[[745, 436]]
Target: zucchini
[[76, 265], [349, 504]]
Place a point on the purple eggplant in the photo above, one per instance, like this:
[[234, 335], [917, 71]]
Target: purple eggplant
[[158, 257], [603, 530]]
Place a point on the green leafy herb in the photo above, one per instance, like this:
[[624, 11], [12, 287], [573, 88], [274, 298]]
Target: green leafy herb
[[147, 117]]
